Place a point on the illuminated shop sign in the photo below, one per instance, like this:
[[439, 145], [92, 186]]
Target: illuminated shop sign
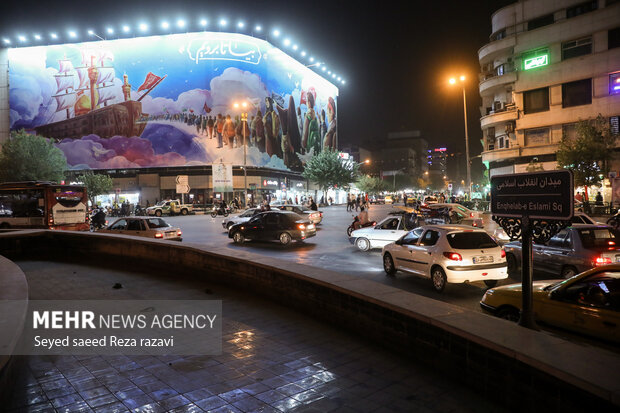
[[614, 83], [537, 61], [270, 182]]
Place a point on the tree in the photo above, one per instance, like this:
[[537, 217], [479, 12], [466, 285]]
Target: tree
[[370, 185], [26, 157], [328, 170], [589, 154], [96, 184]]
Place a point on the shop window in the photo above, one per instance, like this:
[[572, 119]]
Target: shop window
[[613, 38], [538, 136], [582, 8], [576, 48], [536, 100], [540, 22], [577, 93]]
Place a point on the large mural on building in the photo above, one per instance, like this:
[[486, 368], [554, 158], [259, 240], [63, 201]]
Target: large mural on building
[[174, 100]]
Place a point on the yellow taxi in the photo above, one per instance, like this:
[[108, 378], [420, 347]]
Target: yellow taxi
[[588, 303], [389, 199]]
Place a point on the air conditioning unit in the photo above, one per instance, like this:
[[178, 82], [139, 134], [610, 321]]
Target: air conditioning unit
[[510, 127]]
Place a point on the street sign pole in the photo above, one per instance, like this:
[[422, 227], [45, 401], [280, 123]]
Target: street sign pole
[[527, 276]]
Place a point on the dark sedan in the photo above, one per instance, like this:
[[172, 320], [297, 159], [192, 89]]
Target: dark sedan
[[282, 226], [571, 251]]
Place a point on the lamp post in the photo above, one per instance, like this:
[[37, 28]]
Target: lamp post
[[453, 81], [244, 120]]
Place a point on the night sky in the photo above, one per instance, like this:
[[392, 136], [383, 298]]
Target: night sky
[[396, 59]]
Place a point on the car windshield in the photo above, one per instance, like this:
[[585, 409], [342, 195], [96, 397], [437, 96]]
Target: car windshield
[[160, 203], [598, 238], [157, 223], [471, 240]]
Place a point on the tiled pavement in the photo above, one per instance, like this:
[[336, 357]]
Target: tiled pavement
[[273, 360]]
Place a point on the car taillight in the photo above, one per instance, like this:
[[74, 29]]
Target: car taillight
[[454, 256], [503, 253], [179, 233], [159, 235], [602, 261], [301, 226]]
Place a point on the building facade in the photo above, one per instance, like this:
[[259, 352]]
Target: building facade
[[548, 65]]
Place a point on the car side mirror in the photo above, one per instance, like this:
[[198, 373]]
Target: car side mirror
[[556, 294]]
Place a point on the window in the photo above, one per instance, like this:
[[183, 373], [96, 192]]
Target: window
[[577, 93], [471, 240], [157, 223], [613, 38], [536, 100], [600, 290], [271, 219], [120, 225], [389, 224], [614, 83], [538, 136], [540, 22], [569, 131], [597, 238], [430, 238], [576, 48], [581, 8], [412, 237], [499, 35], [558, 239]]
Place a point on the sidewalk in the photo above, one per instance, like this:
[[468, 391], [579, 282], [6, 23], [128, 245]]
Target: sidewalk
[[273, 360]]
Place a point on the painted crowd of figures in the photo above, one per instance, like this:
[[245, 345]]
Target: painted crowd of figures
[[281, 132]]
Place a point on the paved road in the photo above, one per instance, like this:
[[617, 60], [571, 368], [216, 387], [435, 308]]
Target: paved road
[[330, 249]]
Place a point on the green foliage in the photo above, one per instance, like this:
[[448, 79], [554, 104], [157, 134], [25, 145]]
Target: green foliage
[[328, 170], [26, 157], [370, 185], [96, 184], [590, 153]]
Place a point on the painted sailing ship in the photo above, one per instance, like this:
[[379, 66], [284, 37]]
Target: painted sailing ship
[[86, 106]]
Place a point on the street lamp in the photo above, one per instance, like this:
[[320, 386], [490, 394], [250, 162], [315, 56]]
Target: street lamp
[[452, 81], [244, 120]]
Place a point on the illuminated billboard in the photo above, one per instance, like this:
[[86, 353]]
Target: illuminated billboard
[[174, 100]]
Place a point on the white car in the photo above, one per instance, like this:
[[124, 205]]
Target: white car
[[150, 227], [389, 230], [429, 199], [238, 219], [313, 216], [447, 254]]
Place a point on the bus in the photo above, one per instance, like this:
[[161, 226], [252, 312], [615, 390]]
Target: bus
[[36, 204]]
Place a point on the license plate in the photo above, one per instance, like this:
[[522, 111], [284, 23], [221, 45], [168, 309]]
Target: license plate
[[483, 259], [170, 234]]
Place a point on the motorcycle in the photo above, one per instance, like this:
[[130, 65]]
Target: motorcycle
[[352, 228], [97, 221], [614, 221], [139, 211], [220, 211]]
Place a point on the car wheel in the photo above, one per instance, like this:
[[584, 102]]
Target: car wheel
[[213, 214], [569, 271], [511, 260], [184, 212], [508, 313], [362, 244], [238, 237], [490, 283], [438, 276], [225, 213], [158, 213], [388, 264], [285, 238], [349, 231]]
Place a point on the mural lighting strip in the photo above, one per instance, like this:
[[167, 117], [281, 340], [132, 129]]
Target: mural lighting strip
[[182, 26]]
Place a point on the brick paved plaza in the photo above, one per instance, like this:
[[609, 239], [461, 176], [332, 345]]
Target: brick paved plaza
[[273, 360]]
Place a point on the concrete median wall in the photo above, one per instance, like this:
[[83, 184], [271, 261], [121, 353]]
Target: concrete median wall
[[523, 369]]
